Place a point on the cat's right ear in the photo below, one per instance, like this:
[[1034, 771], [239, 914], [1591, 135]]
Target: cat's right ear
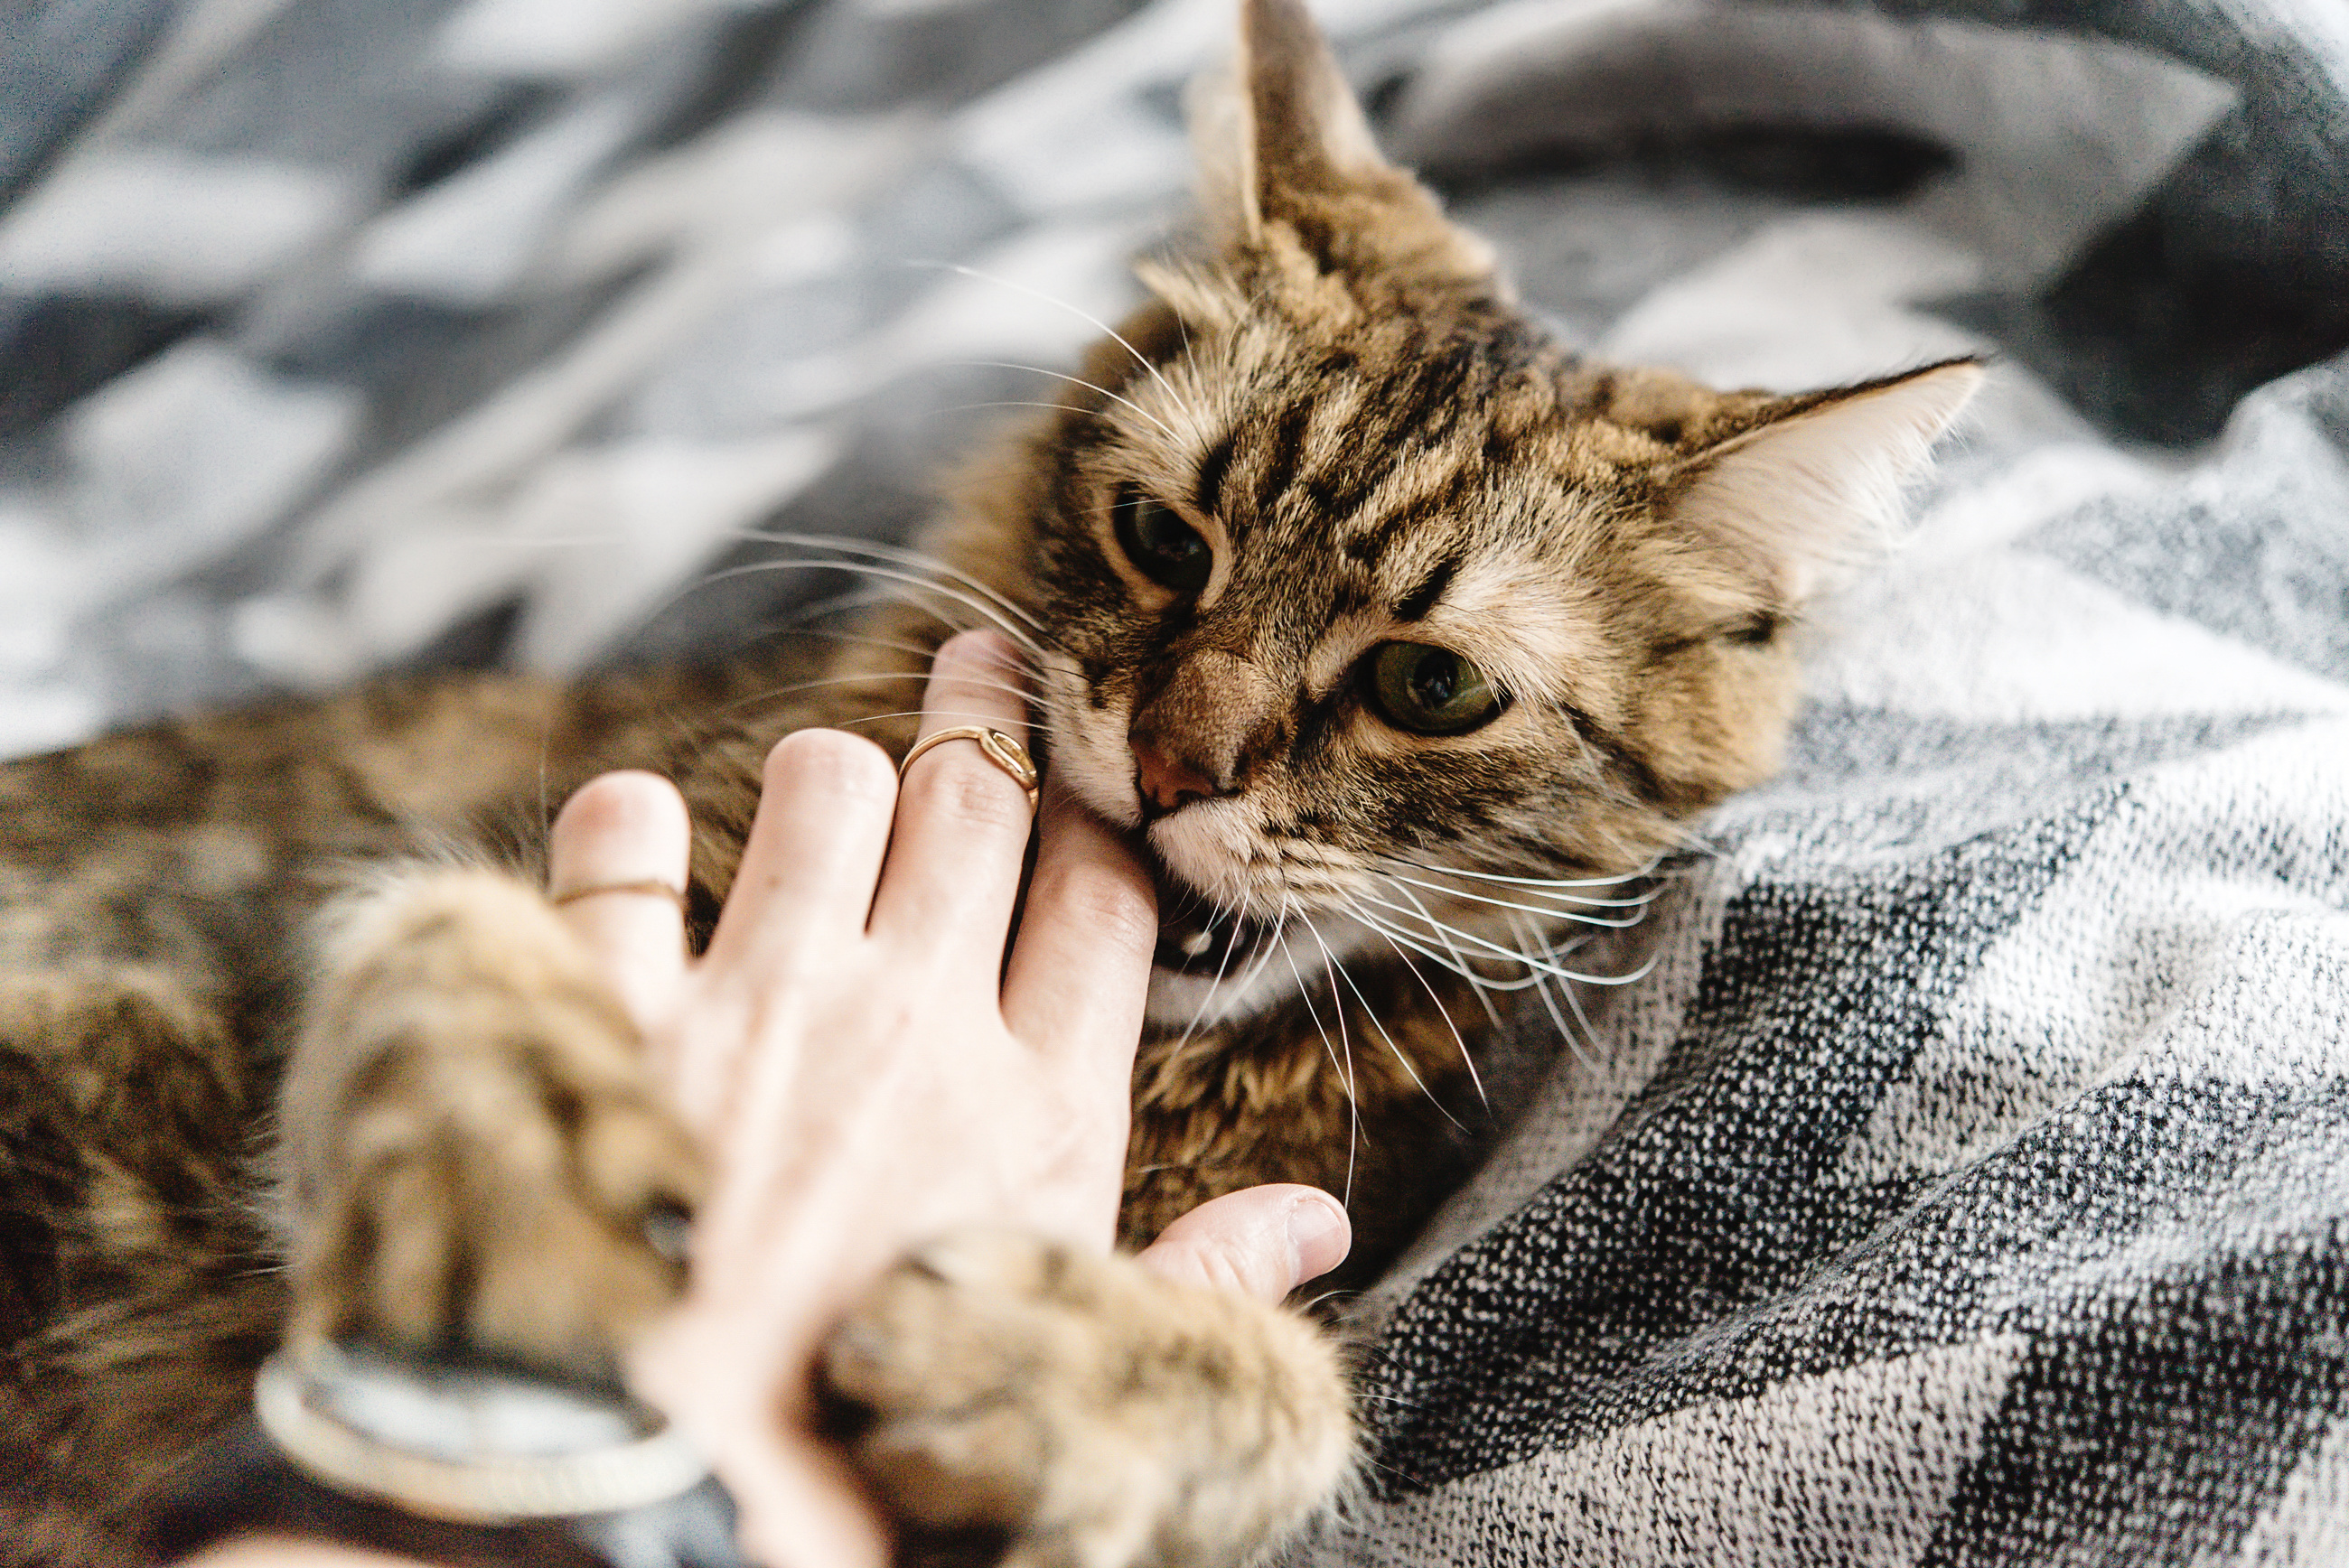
[[1811, 488], [1282, 143]]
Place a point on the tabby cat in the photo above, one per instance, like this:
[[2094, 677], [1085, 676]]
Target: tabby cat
[[1401, 635]]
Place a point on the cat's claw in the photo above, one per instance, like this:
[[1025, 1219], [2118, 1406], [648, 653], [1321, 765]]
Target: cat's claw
[[499, 1171], [1100, 1416]]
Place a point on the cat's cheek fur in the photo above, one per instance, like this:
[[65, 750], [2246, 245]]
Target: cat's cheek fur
[[1098, 1414], [471, 1147]]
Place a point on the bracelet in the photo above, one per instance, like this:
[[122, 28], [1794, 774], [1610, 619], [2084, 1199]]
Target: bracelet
[[458, 1461]]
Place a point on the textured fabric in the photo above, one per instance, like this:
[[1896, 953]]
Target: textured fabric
[[1968, 1181]]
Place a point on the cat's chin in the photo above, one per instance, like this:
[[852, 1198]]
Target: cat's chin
[[1212, 966], [1179, 1000]]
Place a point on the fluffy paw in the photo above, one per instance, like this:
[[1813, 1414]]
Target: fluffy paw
[[1099, 1415], [478, 1156]]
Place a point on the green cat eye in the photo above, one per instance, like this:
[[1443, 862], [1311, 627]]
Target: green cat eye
[[1429, 690], [1162, 546]]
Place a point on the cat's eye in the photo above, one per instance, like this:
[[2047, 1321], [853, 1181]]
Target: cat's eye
[[1162, 546], [1429, 690]]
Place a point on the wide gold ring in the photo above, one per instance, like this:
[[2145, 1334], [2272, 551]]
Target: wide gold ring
[[1001, 749]]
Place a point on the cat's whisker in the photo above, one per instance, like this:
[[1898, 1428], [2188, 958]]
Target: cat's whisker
[[1266, 950], [900, 556], [1171, 433], [1345, 1068], [1574, 1000], [1550, 1005], [1395, 933], [1444, 934], [1546, 882], [1512, 955], [1084, 315], [1337, 971], [914, 581], [1207, 1001], [994, 721], [853, 599], [1467, 1059], [795, 688], [1546, 912]]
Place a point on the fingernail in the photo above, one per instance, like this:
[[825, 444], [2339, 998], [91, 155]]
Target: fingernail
[[1318, 1234]]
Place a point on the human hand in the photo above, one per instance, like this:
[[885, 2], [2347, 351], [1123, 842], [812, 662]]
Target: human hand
[[868, 1072]]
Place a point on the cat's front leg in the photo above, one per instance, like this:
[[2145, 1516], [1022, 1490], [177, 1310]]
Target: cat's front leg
[[1100, 1416], [473, 1151]]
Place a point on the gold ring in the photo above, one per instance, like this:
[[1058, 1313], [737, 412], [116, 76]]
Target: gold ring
[[1001, 749], [642, 884]]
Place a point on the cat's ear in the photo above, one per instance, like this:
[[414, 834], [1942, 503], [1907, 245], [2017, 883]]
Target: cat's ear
[[1811, 488], [1282, 142]]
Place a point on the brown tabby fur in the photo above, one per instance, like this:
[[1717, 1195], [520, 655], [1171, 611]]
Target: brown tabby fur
[[1341, 398]]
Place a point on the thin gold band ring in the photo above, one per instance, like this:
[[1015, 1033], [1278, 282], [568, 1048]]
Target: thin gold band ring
[[653, 885], [1001, 749]]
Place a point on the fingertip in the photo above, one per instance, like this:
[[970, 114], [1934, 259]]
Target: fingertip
[[629, 801], [1320, 1234], [985, 649], [1262, 1241], [832, 760]]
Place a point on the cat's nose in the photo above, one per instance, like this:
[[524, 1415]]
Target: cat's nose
[[1163, 781]]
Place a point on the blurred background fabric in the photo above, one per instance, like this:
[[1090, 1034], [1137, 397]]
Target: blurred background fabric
[[1969, 1184]]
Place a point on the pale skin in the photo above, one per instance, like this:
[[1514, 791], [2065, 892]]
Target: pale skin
[[868, 1071]]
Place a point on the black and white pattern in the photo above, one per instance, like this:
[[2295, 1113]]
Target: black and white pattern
[[1969, 1184]]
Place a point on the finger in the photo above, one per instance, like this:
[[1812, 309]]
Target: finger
[[1264, 1241], [814, 852], [1080, 972], [963, 820], [626, 834], [807, 1512]]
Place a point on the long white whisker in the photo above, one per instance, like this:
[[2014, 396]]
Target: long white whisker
[[1443, 934], [1395, 935], [901, 557], [1565, 1032], [1514, 956], [1549, 913], [992, 606], [1574, 1001], [1616, 880], [994, 720], [1442, 1011], [1086, 316], [1337, 972], [1345, 1070], [979, 607], [1172, 434], [1213, 986]]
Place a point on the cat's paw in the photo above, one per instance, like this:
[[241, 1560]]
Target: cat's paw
[[1100, 1416], [479, 1155]]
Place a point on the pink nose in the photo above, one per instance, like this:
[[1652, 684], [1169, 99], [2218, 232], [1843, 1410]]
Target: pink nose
[[1165, 782]]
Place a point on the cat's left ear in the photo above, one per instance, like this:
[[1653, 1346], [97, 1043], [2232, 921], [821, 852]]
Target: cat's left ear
[[1284, 146], [1811, 488]]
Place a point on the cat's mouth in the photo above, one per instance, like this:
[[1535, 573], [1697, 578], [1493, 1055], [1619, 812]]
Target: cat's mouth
[[1197, 936]]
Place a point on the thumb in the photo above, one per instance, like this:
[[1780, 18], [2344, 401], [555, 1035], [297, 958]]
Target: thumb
[[1262, 1241]]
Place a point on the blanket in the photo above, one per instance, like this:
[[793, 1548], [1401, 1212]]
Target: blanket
[[1968, 1180]]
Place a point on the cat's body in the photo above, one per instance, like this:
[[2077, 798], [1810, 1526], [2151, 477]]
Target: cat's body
[[1399, 634]]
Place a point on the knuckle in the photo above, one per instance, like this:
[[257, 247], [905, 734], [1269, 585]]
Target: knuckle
[[1103, 900], [968, 790]]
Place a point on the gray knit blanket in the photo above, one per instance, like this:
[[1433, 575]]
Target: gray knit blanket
[[1967, 1182]]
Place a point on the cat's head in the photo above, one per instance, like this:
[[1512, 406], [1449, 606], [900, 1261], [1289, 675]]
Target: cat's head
[[1368, 598]]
